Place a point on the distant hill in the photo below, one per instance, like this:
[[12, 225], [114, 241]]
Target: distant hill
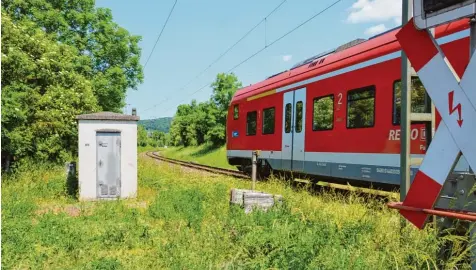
[[159, 124]]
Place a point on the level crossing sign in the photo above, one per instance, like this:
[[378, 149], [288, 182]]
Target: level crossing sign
[[455, 99]]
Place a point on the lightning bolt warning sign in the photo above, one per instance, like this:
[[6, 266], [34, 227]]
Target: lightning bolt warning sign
[[456, 108]]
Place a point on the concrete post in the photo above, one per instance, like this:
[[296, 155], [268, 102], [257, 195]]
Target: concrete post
[[254, 164]]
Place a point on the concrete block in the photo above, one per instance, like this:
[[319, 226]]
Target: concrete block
[[252, 199]]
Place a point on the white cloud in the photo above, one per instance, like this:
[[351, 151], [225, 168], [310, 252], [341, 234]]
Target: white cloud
[[377, 29], [287, 57], [375, 11]]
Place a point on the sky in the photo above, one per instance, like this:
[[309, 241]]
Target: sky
[[200, 31]]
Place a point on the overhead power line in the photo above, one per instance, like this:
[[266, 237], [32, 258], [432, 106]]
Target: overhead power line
[[236, 43], [161, 31], [223, 54], [283, 36], [276, 40]]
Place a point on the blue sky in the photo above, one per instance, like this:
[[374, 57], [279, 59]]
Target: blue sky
[[199, 31]]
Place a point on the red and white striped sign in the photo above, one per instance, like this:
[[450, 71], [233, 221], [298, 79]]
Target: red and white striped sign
[[455, 100]]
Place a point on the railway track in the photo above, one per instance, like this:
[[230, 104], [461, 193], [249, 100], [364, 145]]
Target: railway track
[[228, 172], [201, 167]]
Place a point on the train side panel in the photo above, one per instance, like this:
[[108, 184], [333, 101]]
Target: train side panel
[[368, 152], [240, 144]]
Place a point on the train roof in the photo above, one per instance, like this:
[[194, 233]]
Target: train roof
[[345, 55]]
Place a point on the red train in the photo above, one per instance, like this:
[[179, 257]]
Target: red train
[[337, 114]]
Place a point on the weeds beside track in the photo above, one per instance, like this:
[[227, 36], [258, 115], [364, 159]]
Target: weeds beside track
[[237, 174]]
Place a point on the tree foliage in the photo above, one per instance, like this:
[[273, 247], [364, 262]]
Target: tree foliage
[[42, 92], [142, 138], [197, 123], [60, 59], [158, 139], [107, 54], [151, 138]]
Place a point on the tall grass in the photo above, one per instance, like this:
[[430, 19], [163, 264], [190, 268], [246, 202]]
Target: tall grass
[[183, 220]]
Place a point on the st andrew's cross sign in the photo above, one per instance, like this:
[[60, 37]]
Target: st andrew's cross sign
[[455, 100]]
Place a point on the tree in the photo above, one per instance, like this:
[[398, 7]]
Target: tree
[[107, 54], [167, 139], [142, 138], [42, 92], [198, 123], [183, 127], [201, 119], [224, 88], [157, 139]]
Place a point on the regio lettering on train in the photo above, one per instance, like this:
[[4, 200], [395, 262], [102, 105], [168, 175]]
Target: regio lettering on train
[[394, 134]]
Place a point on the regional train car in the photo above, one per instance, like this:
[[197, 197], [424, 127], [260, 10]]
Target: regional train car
[[337, 114]]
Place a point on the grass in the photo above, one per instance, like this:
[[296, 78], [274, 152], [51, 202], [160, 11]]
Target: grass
[[203, 154], [182, 220]]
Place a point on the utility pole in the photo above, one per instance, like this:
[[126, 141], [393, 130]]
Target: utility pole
[[405, 110]]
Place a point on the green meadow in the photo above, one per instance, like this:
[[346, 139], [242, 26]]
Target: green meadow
[[182, 219]]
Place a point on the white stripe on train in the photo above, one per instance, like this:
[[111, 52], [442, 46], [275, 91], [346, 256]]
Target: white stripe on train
[[331, 157], [376, 159]]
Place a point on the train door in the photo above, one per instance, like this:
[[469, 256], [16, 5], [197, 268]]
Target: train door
[[294, 103], [299, 128], [287, 145]]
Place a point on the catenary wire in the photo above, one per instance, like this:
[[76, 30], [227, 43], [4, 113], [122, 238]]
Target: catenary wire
[[264, 48], [161, 31], [222, 55]]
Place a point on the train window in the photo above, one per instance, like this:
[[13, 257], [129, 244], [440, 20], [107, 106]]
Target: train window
[[361, 107], [287, 118], [418, 99], [299, 117], [235, 112], [323, 115], [251, 123], [268, 121]]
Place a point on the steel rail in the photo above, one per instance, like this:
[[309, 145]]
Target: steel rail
[[202, 167]]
